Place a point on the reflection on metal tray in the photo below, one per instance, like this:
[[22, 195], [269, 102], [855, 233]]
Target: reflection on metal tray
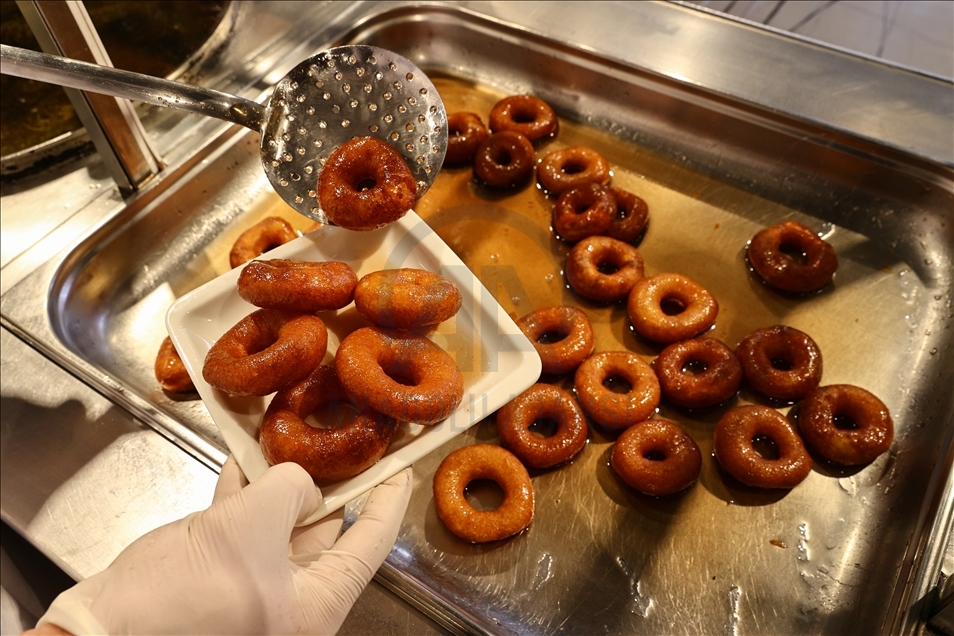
[[836, 554]]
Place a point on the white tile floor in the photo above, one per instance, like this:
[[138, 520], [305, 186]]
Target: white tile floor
[[911, 33]]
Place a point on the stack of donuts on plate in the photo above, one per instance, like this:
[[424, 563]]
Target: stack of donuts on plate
[[618, 391]]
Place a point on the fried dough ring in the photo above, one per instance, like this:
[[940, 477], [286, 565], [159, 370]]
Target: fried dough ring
[[365, 184], [265, 351], [845, 424], [603, 269], [328, 454], [733, 443], [265, 235], [430, 388], [483, 461], [406, 298], [302, 286], [542, 402], [569, 336], [656, 457], [613, 410]]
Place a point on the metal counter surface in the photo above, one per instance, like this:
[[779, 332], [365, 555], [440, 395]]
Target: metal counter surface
[[65, 511]]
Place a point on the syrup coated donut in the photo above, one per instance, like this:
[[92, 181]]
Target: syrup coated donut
[[530, 116], [586, 210], [542, 402], [170, 371], [790, 257], [265, 235], [698, 373], [411, 379], [656, 457], [406, 298], [670, 307], [780, 362], [329, 454], [301, 286], [504, 160], [631, 218], [562, 336], [265, 351], [603, 269], [734, 444], [608, 408], [465, 132], [845, 424], [571, 167], [483, 461], [365, 184]]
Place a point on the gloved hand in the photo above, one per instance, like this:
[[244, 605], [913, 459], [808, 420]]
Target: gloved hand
[[241, 567]]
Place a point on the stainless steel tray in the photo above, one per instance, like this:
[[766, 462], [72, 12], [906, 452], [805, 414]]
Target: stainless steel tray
[[840, 553]]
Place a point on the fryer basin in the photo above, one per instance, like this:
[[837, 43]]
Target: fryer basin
[[839, 553]]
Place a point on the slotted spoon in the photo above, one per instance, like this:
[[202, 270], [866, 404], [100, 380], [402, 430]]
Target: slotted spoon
[[325, 101]]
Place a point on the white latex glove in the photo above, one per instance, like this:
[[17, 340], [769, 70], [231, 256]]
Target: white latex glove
[[241, 567]]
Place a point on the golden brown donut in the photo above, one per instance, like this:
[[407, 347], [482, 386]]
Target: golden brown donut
[[265, 235], [780, 362], [656, 457], [406, 298], [365, 184], [608, 408], [465, 132], [504, 160], [542, 402], [790, 257], [265, 351], [170, 371], [631, 218], [483, 461], [562, 336], [586, 210], [670, 307], [530, 116], [329, 454], [603, 269], [845, 424], [302, 286], [411, 379], [734, 445], [698, 373], [571, 167]]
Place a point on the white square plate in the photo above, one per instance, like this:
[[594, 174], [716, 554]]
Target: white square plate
[[498, 362]]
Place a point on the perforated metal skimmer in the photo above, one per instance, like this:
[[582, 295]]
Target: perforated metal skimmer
[[343, 93]]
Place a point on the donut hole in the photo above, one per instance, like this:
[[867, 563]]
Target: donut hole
[[484, 494], [400, 373], [607, 268], [544, 427], [332, 415], [573, 167], [844, 422], [523, 116], [782, 364], [695, 367], [617, 384], [765, 447], [500, 156], [365, 183], [552, 337], [794, 251], [654, 455], [672, 306]]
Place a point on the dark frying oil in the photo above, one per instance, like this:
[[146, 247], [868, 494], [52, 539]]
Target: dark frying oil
[[146, 36]]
